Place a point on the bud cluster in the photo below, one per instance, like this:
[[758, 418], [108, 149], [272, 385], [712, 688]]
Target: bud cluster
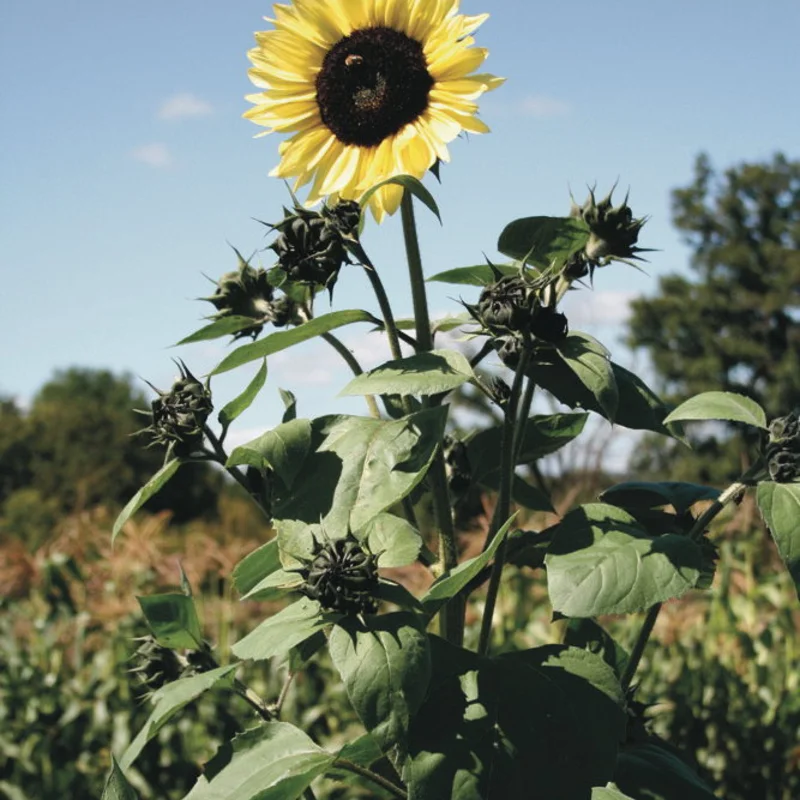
[[247, 292], [457, 466], [156, 665], [782, 451], [342, 576], [179, 415]]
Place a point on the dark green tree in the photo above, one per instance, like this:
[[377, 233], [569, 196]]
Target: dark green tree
[[733, 328]]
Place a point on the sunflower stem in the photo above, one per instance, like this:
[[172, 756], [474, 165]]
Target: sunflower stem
[[452, 615]]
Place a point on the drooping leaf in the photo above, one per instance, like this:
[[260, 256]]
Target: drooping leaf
[[275, 761], [544, 241], [479, 275], [221, 327], [601, 561], [279, 633], [150, 489], [679, 494], [117, 786], [169, 700], [647, 770], [394, 540], [779, 504], [357, 468], [421, 374], [173, 620], [280, 340], [241, 403], [593, 369], [410, 184], [385, 666], [452, 582], [256, 566], [282, 449], [720, 406]]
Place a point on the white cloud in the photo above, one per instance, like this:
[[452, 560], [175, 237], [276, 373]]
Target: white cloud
[[184, 106], [607, 307], [156, 155], [543, 107]]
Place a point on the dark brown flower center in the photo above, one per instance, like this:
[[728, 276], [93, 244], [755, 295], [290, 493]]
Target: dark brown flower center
[[372, 83]]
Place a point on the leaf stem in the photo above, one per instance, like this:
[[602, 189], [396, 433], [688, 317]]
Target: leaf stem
[[503, 509], [638, 648], [364, 772]]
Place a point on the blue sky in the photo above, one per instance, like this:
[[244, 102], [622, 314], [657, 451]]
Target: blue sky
[[126, 167]]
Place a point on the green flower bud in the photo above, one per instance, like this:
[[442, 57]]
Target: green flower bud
[[457, 466], [782, 451], [342, 576], [507, 305], [155, 666], [501, 392], [549, 325]]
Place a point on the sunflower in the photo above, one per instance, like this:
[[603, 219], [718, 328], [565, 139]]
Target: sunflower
[[369, 89]]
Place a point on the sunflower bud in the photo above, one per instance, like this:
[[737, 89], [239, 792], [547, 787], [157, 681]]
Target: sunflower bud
[[311, 246], [614, 231], [782, 451], [179, 415], [345, 216], [457, 466], [507, 305], [549, 325], [342, 576], [155, 666], [501, 392], [247, 292]]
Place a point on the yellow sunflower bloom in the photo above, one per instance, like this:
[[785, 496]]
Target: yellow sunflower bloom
[[369, 89]]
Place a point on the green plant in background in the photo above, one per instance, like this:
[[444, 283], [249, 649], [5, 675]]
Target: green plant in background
[[372, 94]]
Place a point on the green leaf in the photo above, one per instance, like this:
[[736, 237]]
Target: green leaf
[[409, 183], [221, 327], [169, 700], [391, 592], [241, 403], [720, 406], [280, 633], [779, 504], [588, 635], [173, 620], [256, 566], [290, 404], [275, 342], [678, 494], [394, 540], [117, 786], [452, 582], [609, 792], [528, 548], [275, 761], [647, 770], [589, 361], [363, 751], [602, 561], [479, 275], [151, 488], [544, 241], [275, 586], [282, 449], [358, 467], [385, 667], [422, 374]]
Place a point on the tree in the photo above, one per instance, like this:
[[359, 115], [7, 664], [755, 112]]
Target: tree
[[735, 327]]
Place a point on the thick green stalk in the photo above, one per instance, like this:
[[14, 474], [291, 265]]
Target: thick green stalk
[[452, 615], [503, 509]]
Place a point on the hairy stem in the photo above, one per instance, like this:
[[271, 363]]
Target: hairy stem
[[503, 508], [379, 780]]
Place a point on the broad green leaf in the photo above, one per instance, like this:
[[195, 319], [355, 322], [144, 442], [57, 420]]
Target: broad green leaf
[[602, 561], [169, 700], [281, 632], [587, 634], [275, 761], [410, 184], [608, 792], [394, 540], [173, 620], [117, 786], [479, 275], [282, 449], [421, 374], [779, 504], [720, 406], [357, 468], [363, 751], [256, 566], [275, 586], [678, 494], [452, 582], [544, 241], [241, 403], [221, 327], [528, 548], [647, 770], [385, 667], [275, 342], [593, 369], [150, 489], [391, 592], [290, 404]]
